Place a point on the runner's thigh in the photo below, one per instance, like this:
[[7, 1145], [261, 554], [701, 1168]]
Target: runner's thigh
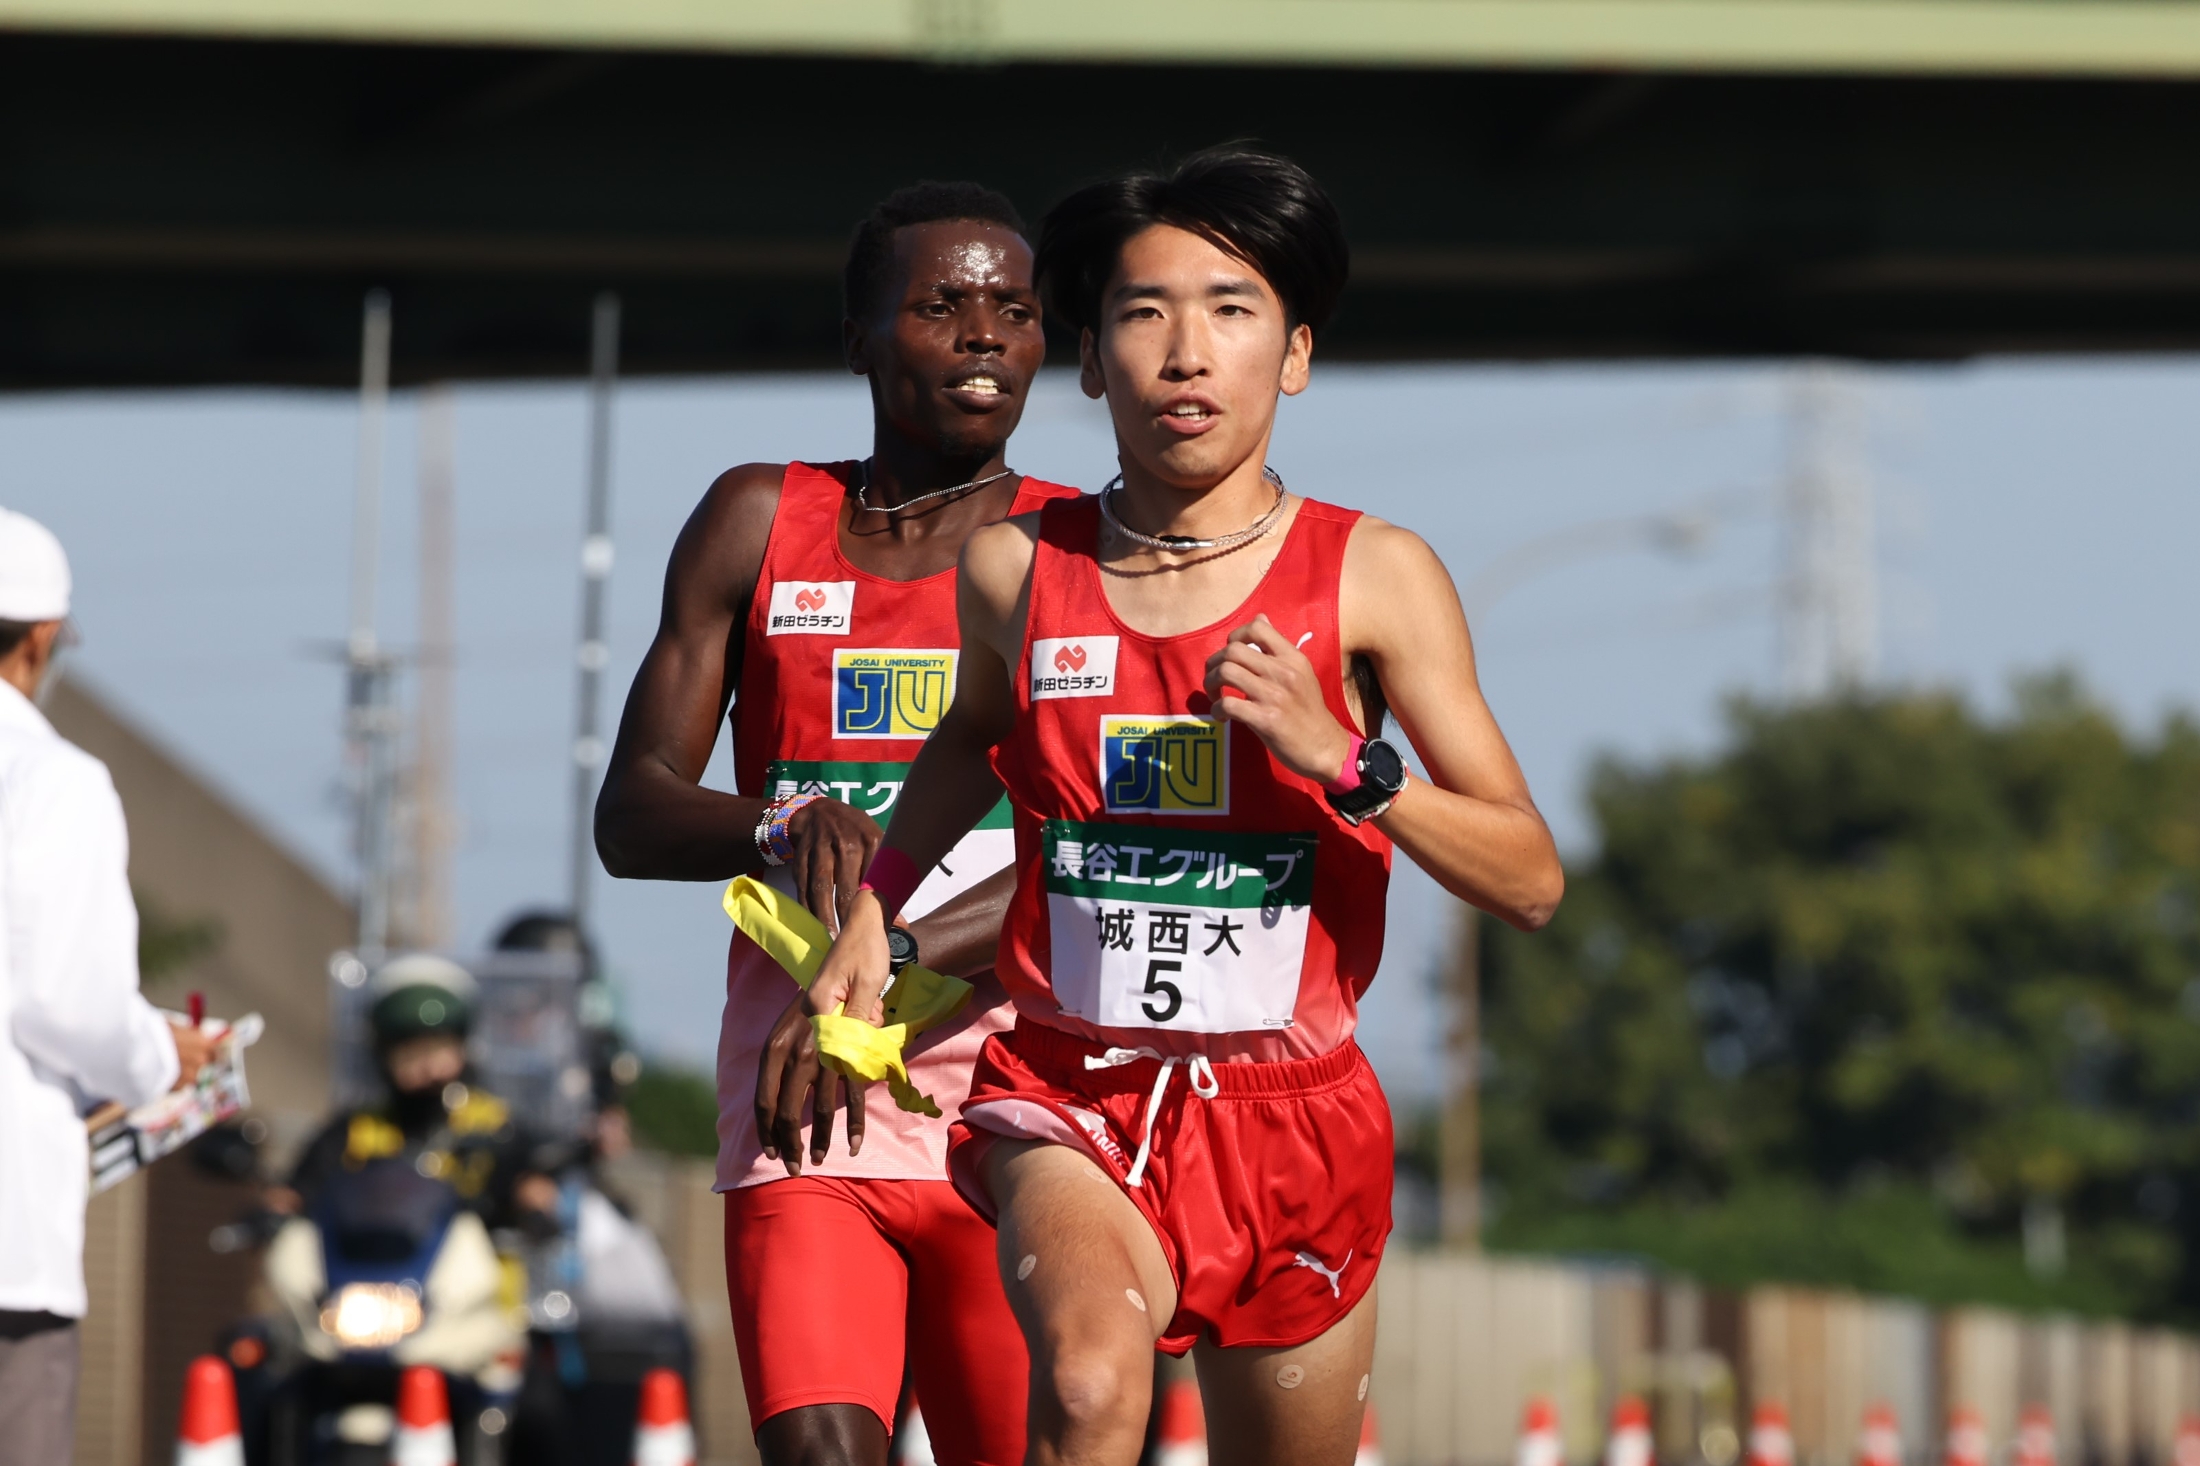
[[1299, 1406]]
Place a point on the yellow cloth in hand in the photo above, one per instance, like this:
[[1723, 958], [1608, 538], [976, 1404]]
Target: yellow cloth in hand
[[920, 998], [856, 1049]]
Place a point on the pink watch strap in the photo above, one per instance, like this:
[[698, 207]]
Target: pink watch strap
[[892, 877]]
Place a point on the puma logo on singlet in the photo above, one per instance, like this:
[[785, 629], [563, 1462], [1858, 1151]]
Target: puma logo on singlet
[[1331, 1275], [1072, 666]]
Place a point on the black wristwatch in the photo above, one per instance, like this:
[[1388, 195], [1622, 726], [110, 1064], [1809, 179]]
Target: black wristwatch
[[1382, 776], [901, 950]]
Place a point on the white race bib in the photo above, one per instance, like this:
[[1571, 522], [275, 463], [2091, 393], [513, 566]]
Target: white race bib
[[1179, 929]]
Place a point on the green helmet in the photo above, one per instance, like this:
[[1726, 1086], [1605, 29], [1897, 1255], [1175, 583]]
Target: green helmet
[[417, 995]]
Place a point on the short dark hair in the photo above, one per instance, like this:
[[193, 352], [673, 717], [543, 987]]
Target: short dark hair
[[871, 249], [1266, 210], [12, 634]]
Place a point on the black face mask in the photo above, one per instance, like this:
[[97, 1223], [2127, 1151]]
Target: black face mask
[[415, 1111]]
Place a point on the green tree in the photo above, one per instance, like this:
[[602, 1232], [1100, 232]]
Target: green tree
[[1873, 949]]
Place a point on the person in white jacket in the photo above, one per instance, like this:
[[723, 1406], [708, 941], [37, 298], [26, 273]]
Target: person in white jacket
[[73, 1026]]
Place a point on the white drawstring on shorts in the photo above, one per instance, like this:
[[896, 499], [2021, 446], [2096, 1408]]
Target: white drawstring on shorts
[[1203, 1084]]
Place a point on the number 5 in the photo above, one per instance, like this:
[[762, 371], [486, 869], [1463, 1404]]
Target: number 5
[[1155, 985]]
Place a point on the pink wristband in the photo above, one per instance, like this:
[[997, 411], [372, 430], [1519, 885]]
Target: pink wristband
[[892, 877], [1349, 779]]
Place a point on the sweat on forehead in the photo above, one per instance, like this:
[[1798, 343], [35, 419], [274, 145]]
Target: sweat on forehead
[[871, 247]]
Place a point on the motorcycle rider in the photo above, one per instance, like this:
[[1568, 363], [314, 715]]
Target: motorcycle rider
[[420, 1009]]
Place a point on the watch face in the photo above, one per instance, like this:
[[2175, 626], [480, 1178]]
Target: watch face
[[1381, 766], [901, 947]]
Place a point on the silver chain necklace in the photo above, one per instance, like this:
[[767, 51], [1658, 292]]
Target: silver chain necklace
[[1230, 541], [863, 489]]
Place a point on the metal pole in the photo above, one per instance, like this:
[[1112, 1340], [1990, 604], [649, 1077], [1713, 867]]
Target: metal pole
[[368, 726], [588, 748], [428, 920]]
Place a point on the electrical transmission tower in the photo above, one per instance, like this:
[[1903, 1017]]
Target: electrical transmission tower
[[1829, 601], [370, 715]]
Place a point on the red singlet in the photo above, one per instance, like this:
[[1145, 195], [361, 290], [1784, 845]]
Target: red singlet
[[1192, 930], [843, 674], [1183, 891]]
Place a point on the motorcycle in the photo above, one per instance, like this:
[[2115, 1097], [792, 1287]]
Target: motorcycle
[[386, 1272]]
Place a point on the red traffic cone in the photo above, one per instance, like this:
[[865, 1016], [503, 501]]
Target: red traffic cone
[[1630, 1441], [663, 1434], [1967, 1443], [1183, 1437], [423, 1436], [1539, 1444], [2187, 1449], [1770, 1442], [206, 1427], [1880, 1441], [1371, 1440], [2035, 1437]]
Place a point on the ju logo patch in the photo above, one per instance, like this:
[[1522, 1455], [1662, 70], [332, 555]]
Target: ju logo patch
[[1169, 764], [1072, 666], [890, 693], [812, 607]]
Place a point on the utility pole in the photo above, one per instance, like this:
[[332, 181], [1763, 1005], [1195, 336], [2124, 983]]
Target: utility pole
[[588, 746], [1459, 1127], [427, 918], [1829, 600], [370, 720]]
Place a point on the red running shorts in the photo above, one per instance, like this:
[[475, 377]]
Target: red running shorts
[[1271, 1198], [832, 1278]]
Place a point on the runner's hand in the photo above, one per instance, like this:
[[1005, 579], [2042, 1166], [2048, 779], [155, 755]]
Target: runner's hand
[[788, 1074], [851, 979], [833, 845], [1279, 696]]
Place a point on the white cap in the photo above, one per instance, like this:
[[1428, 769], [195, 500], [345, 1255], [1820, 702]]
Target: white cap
[[423, 969], [34, 574]]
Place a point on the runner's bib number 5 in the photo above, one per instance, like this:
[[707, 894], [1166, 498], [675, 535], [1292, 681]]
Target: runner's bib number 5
[[1174, 928]]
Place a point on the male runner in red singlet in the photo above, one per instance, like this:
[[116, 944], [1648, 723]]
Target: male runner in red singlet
[[820, 601], [1180, 684]]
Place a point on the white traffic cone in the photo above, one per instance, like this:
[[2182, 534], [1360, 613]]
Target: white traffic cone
[[1771, 1443], [1539, 1443], [2035, 1437], [1183, 1436], [1967, 1443], [663, 1434], [1630, 1441], [1880, 1441], [423, 1436], [1371, 1440], [206, 1427], [913, 1445]]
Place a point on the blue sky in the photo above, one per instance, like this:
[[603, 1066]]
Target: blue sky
[[2031, 515]]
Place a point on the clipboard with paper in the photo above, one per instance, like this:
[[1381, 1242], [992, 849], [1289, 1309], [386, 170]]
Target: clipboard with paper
[[125, 1141]]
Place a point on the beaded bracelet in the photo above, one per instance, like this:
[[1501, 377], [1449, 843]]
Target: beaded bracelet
[[772, 840]]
